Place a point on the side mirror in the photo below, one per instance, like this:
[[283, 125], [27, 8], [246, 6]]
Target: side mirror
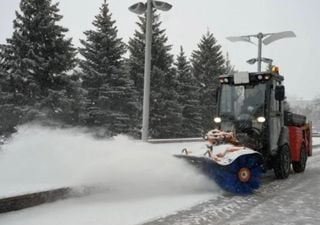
[[279, 93]]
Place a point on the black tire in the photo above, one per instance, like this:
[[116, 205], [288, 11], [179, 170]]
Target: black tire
[[300, 166], [282, 163]]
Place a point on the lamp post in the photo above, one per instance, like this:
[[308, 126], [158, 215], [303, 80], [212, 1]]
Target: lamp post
[[262, 38], [140, 8]]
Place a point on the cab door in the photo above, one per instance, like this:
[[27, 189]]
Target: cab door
[[275, 120]]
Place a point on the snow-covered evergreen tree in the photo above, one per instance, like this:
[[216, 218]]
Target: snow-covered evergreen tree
[[165, 111], [161, 57], [36, 59], [10, 113], [188, 91], [68, 104], [111, 94], [40, 51], [6, 57], [208, 63]]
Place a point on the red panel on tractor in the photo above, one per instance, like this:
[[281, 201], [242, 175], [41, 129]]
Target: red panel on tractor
[[295, 141]]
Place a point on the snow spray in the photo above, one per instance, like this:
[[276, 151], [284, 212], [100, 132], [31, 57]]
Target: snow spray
[[38, 158]]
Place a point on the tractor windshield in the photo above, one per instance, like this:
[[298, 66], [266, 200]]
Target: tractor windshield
[[238, 100]]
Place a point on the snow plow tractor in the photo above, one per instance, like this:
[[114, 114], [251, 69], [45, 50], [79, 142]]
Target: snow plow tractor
[[253, 107], [255, 132], [253, 111]]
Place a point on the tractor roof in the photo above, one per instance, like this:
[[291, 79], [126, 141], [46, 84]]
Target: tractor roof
[[246, 77]]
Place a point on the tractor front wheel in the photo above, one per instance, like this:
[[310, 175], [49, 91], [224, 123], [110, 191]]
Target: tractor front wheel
[[282, 163]]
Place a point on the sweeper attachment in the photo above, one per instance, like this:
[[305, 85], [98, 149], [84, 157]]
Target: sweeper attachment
[[237, 172]]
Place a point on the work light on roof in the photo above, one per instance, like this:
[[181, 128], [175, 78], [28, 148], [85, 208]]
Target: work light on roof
[[275, 69]]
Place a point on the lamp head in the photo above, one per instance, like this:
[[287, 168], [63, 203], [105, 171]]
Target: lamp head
[[138, 8], [163, 6], [267, 60], [252, 61]]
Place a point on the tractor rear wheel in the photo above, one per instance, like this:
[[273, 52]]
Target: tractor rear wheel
[[300, 166], [282, 163]]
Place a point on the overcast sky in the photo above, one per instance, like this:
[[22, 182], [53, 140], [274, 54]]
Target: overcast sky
[[298, 58]]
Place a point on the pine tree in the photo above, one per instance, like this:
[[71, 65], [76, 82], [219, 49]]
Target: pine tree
[[14, 109], [68, 104], [111, 94], [161, 58], [208, 64], [20, 86], [9, 112], [165, 112], [188, 91], [36, 59], [40, 52], [6, 57]]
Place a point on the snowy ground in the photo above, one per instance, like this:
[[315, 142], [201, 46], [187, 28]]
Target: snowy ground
[[133, 183], [295, 200]]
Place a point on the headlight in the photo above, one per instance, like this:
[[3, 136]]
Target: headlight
[[217, 120], [261, 119]]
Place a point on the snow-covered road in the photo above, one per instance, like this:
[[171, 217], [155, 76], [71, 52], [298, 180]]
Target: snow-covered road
[[295, 200], [135, 183]]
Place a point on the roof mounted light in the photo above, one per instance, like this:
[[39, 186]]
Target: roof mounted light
[[275, 69]]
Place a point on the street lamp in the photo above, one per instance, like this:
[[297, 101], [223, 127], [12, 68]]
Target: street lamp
[[140, 8], [267, 39]]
